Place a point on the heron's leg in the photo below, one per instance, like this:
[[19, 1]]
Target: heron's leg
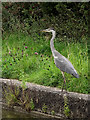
[[64, 81]]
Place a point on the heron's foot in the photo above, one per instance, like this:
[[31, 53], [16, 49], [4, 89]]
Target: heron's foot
[[62, 89]]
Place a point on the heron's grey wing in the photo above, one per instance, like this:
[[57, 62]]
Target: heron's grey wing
[[64, 64]]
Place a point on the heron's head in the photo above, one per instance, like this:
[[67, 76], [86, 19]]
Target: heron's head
[[48, 30]]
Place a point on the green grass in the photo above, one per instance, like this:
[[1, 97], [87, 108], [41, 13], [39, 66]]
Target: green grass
[[23, 64]]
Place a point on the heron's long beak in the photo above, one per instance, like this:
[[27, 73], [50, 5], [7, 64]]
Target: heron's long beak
[[43, 31]]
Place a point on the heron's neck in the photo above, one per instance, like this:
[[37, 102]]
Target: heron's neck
[[52, 41]]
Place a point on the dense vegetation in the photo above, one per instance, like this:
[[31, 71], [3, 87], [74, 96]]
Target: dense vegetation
[[26, 52], [68, 19]]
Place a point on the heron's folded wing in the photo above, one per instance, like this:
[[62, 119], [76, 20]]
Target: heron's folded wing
[[63, 63]]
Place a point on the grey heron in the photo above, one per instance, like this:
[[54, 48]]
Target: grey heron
[[61, 62]]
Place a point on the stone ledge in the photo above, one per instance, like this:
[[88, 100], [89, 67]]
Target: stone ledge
[[53, 98]]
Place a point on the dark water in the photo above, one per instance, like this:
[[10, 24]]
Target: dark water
[[13, 115]]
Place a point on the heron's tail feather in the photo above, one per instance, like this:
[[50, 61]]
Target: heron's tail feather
[[76, 75]]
